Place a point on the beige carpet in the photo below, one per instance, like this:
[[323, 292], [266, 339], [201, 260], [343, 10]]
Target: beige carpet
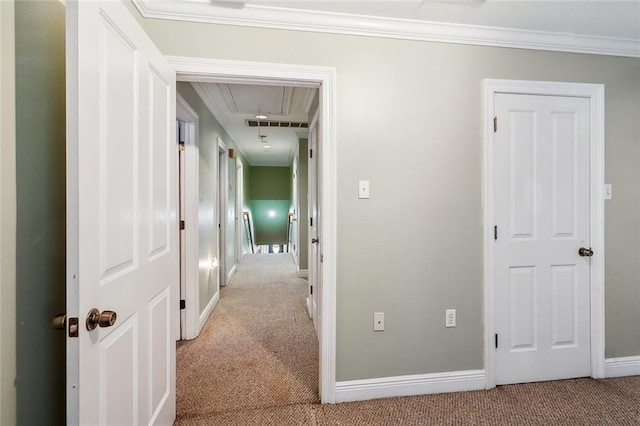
[[258, 348], [255, 363]]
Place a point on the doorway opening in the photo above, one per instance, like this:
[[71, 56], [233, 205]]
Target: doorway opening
[[322, 78]]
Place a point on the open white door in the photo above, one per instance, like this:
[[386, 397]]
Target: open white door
[[315, 256], [122, 229]]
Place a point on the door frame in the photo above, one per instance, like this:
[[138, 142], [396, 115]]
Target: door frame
[[222, 198], [189, 291], [595, 94], [231, 71], [239, 224]]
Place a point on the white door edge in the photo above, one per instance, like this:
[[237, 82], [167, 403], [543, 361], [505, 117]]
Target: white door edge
[[203, 69], [185, 113], [595, 94]]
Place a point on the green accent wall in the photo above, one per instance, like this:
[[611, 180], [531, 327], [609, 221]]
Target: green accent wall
[[40, 252], [270, 192]]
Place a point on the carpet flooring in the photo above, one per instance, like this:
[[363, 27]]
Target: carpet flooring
[[255, 363]]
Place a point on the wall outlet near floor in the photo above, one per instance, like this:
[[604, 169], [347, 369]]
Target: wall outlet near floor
[[378, 321], [450, 318]]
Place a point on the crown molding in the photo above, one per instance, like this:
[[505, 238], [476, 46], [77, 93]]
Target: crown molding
[[407, 29]]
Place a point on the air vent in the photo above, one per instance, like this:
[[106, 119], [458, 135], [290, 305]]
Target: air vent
[[289, 124]]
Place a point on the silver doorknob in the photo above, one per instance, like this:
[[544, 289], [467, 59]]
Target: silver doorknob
[[103, 319], [585, 252], [315, 240]]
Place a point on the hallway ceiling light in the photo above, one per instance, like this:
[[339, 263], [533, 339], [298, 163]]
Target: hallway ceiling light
[[261, 117], [267, 147], [261, 137]]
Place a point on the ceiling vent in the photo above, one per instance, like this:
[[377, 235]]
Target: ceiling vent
[[288, 124]]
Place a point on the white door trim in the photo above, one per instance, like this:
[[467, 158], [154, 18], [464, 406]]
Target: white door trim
[[595, 94], [191, 295], [222, 192], [239, 225], [202, 69]]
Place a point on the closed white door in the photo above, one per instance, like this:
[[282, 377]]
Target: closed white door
[[122, 229], [541, 208]]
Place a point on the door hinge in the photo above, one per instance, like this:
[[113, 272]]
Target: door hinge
[[496, 340], [495, 124], [181, 146], [183, 304], [310, 221], [310, 153], [311, 289], [321, 258], [495, 232], [181, 225]]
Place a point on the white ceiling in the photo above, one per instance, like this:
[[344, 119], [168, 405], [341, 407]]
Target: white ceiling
[[234, 104], [609, 27]]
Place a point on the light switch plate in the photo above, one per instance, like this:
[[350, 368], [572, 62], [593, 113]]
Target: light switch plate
[[363, 189], [378, 321]]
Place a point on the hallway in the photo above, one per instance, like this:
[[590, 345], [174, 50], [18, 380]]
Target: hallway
[[257, 350]]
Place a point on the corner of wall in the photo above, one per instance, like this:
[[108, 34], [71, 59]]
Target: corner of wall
[[7, 216]]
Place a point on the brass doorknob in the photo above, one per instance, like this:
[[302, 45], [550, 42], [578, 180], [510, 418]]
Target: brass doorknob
[[103, 319], [585, 252], [60, 322]]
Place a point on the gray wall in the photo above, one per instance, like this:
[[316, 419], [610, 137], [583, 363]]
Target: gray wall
[[399, 251], [40, 160], [7, 216], [208, 132]]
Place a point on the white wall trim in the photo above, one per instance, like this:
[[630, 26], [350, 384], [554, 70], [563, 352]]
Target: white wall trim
[[418, 384], [264, 16], [620, 367], [204, 316], [303, 273], [232, 272], [595, 94]]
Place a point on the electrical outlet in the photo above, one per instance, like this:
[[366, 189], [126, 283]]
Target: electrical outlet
[[450, 318], [378, 321]]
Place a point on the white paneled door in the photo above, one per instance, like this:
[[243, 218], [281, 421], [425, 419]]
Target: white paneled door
[[541, 211], [122, 232], [315, 267]]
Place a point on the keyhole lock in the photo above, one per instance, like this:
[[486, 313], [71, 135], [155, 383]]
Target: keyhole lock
[[102, 319]]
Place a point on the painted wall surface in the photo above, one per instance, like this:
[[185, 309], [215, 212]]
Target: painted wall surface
[[303, 204], [270, 203], [425, 169], [40, 250], [209, 130], [7, 216]]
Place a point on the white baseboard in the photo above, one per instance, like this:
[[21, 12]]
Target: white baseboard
[[207, 311], [417, 384], [303, 273], [231, 273], [309, 307], [619, 367]]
